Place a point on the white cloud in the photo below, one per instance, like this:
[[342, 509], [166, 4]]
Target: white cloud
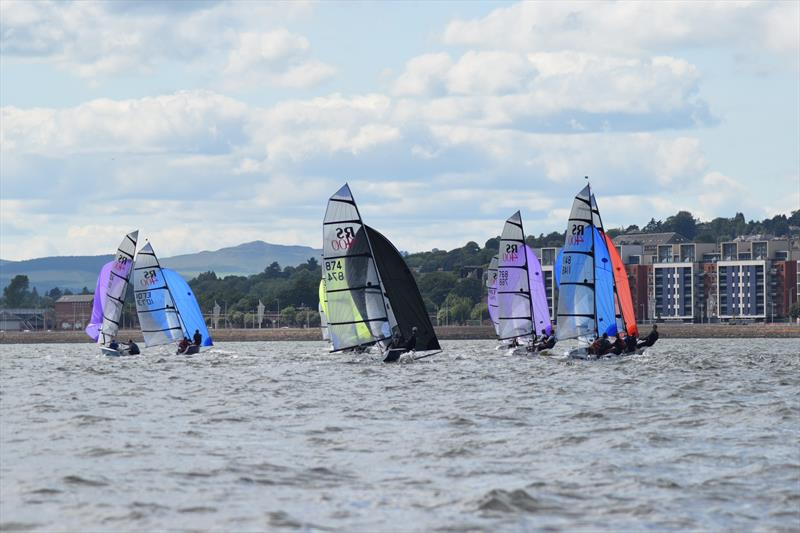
[[274, 58], [97, 40], [621, 28], [552, 91], [187, 121]]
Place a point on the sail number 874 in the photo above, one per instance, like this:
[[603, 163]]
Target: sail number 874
[[334, 270]]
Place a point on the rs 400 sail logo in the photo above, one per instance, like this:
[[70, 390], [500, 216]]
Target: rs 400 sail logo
[[149, 278], [344, 239]]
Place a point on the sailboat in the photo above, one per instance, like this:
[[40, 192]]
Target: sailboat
[[109, 295], [370, 293], [167, 308], [521, 298], [594, 296]]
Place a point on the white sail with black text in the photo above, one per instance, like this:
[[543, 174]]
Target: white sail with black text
[[166, 306], [515, 310], [358, 312], [586, 279], [110, 290]]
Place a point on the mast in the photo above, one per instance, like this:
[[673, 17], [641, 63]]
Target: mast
[[528, 277], [594, 261]]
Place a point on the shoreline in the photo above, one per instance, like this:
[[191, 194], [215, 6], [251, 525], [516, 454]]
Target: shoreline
[[668, 331]]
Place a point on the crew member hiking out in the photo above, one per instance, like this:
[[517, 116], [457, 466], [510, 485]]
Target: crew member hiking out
[[630, 343], [548, 341], [619, 345], [650, 340], [133, 348]]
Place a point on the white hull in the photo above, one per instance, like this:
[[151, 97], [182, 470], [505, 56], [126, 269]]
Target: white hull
[[581, 353]]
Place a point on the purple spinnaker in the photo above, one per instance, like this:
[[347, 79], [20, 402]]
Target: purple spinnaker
[[541, 311], [96, 322]]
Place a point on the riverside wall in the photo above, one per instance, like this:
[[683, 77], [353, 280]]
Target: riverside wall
[[667, 331]]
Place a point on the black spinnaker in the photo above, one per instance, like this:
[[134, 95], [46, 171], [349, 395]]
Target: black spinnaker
[[402, 292]]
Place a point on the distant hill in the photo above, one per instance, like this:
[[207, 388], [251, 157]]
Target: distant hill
[[76, 272]]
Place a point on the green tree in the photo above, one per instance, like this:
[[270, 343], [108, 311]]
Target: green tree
[[683, 223], [16, 292], [469, 288], [794, 311], [288, 316], [455, 310]]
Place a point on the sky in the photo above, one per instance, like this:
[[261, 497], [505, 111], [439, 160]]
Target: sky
[[207, 124]]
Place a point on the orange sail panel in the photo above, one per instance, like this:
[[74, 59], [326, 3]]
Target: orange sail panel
[[623, 289]]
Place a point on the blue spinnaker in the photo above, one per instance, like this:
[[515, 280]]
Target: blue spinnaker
[[604, 287], [186, 303]]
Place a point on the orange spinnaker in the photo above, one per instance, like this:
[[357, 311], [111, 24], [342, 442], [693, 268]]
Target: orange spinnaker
[[623, 289]]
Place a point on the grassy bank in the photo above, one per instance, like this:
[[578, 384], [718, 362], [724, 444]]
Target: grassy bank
[[676, 331]]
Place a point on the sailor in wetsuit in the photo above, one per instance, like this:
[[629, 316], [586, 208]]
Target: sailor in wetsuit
[[411, 345], [630, 343], [547, 341], [197, 337], [133, 348], [650, 340], [183, 345], [619, 345], [114, 345], [601, 346]]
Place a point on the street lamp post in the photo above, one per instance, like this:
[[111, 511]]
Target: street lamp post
[[279, 311]]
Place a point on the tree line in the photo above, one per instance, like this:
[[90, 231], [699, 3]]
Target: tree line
[[448, 280]]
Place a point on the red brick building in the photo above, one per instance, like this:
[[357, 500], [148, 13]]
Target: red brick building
[[73, 311], [783, 287], [638, 278]]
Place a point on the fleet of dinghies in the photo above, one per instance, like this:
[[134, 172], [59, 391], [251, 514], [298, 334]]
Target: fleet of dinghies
[[369, 300], [165, 304]]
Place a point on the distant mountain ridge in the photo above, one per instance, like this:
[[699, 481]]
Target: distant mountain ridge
[[76, 272]]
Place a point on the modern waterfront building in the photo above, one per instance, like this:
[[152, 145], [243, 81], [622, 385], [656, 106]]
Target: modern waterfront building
[[547, 258]]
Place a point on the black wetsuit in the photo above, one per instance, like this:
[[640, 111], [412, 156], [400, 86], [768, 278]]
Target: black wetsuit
[[198, 339], [603, 346], [547, 343], [412, 342], [618, 347], [630, 344], [649, 340], [133, 348], [114, 345]]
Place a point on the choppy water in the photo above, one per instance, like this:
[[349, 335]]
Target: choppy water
[[701, 434]]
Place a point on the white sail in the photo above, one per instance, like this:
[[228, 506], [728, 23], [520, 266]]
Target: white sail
[[513, 284], [158, 317], [576, 300], [117, 286], [358, 312]]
